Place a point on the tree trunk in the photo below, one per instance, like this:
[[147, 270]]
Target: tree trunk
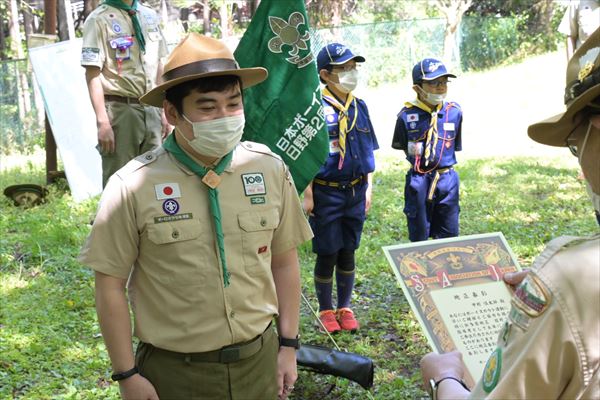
[[224, 14], [66, 27], [206, 17], [453, 10]]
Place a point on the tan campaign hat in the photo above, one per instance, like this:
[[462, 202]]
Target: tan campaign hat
[[583, 86], [27, 195], [198, 56]]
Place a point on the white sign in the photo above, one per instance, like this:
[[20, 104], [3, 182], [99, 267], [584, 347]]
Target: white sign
[[62, 83]]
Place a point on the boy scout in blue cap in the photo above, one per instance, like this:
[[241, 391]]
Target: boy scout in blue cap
[[428, 129], [339, 197]]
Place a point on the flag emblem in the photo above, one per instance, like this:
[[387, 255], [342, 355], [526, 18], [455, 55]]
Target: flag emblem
[[165, 191], [287, 34]]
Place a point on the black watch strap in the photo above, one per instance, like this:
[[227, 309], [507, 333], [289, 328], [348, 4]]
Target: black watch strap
[[286, 342], [124, 375]]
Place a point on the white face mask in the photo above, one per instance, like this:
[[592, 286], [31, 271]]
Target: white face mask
[[348, 81], [217, 137], [434, 98]]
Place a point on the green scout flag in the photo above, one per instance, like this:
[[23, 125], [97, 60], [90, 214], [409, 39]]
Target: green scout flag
[[284, 112]]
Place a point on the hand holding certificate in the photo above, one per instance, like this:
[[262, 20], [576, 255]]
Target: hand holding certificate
[[456, 290]]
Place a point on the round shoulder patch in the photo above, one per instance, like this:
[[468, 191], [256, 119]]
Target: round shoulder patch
[[491, 373]]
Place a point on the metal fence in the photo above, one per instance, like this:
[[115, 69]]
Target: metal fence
[[21, 108], [391, 49]]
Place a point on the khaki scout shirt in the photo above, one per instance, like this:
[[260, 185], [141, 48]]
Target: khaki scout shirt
[[154, 215], [581, 19], [550, 346], [137, 74]]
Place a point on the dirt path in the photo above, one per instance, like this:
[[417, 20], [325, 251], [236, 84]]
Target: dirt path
[[498, 106]]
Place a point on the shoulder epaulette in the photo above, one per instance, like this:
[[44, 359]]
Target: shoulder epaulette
[[259, 148], [140, 161]]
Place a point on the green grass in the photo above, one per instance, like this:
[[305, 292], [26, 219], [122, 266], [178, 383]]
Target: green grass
[[50, 345]]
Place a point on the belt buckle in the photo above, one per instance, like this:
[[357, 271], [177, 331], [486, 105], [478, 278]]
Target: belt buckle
[[229, 355], [345, 185]]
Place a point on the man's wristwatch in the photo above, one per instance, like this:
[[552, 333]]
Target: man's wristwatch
[[285, 342], [435, 385], [124, 375]]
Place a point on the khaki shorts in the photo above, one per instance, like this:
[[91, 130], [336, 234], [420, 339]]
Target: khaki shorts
[[189, 377]]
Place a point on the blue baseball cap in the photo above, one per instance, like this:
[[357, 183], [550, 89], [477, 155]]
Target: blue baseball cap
[[429, 69], [335, 54]]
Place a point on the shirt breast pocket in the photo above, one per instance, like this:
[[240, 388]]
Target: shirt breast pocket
[[176, 252], [257, 229]]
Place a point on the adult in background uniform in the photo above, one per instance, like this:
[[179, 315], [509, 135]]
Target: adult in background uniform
[[428, 129], [339, 197], [549, 347], [581, 18], [122, 50], [205, 228]]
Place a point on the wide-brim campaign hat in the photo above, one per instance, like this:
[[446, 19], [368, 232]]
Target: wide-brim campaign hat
[[336, 54], [198, 56], [429, 69], [582, 87], [26, 195]]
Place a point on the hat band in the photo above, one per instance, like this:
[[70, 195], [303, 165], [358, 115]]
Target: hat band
[[201, 67], [576, 88]]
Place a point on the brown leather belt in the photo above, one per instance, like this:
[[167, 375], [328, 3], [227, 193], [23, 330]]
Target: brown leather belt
[[121, 99], [340, 185], [225, 355]]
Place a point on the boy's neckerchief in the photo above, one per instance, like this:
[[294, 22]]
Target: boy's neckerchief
[[132, 11], [172, 147], [342, 119], [431, 139]]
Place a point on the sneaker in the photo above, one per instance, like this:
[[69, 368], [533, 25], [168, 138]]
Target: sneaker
[[327, 318], [346, 319]]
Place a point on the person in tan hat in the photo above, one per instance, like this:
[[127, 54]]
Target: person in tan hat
[[202, 232], [549, 347]]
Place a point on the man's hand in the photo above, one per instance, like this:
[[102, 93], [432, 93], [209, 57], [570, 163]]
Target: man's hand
[[437, 366], [137, 388], [368, 199], [106, 137], [307, 202], [286, 371]]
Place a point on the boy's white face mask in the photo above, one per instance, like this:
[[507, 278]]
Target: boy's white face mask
[[348, 81]]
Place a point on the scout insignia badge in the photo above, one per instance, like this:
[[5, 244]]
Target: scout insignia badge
[[532, 297], [491, 373]]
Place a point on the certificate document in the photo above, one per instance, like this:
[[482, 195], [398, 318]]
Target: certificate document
[[455, 289]]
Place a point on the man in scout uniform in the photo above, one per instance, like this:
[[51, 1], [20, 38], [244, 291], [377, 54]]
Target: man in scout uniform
[[428, 129], [549, 347], [339, 197], [205, 228], [122, 49], [581, 18]]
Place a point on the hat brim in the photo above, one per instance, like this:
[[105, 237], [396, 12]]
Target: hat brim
[[343, 61], [439, 76], [25, 194], [554, 130], [248, 76]]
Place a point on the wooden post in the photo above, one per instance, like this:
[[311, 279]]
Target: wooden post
[[51, 159]]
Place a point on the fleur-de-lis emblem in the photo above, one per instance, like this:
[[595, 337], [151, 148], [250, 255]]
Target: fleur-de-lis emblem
[[287, 33], [585, 70]]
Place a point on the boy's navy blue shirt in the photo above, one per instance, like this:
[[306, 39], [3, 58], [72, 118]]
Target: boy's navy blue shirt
[[412, 126], [360, 144]]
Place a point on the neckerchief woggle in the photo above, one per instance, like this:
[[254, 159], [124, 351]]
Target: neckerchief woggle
[[342, 119], [213, 193], [431, 139], [132, 11]]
